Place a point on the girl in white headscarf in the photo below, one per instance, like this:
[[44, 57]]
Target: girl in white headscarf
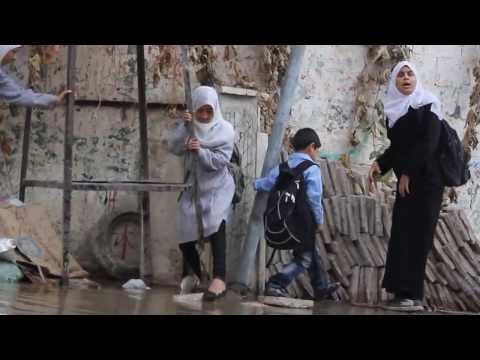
[[413, 117], [12, 92], [213, 143]]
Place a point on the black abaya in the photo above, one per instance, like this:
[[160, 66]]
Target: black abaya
[[414, 151]]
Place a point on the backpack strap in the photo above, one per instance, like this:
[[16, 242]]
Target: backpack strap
[[300, 168]]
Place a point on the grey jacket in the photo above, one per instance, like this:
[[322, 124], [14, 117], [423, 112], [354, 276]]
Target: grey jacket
[[216, 185], [12, 92]]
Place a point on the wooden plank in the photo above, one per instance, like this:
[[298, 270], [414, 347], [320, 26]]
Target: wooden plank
[[338, 271], [335, 202], [387, 221], [462, 231], [364, 253], [346, 254], [339, 182], [332, 171], [469, 302], [439, 235], [371, 285], [445, 232], [327, 181], [469, 227], [342, 261], [440, 255], [381, 253], [354, 282], [352, 250], [325, 233], [362, 296], [462, 262], [378, 220], [473, 260], [363, 215], [460, 304], [371, 215], [429, 275], [328, 211], [373, 255], [355, 201], [382, 248], [453, 231], [447, 274], [344, 216], [441, 295], [352, 229]]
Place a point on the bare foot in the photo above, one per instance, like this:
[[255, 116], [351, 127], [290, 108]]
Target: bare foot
[[217, 286]]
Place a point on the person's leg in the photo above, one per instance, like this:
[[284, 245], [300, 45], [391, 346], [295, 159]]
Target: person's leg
[[219, 244], [217, 286], [191, 259], [319, 278], [279, 282]]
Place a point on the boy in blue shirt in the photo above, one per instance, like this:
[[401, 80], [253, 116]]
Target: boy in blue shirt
[[306, 258]]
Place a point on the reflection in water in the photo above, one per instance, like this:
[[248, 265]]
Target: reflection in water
[[28, 299]]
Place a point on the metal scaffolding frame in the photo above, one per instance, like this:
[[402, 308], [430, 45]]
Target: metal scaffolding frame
[[143, 187]]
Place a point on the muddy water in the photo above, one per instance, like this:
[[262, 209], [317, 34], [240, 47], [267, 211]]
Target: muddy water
[[27, 299]]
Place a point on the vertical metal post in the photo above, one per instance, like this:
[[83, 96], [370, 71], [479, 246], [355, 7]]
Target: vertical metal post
[[68, 163], [255, 225], [193, 156], [144, 197], [25, 153]]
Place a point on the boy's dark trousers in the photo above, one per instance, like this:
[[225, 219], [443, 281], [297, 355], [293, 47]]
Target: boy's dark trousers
[[306, 260]]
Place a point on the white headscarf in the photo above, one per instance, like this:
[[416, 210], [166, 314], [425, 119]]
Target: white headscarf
[[4, 49], [396, 104], [205, 95]]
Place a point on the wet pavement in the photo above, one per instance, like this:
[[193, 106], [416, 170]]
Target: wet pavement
[[28, 299]]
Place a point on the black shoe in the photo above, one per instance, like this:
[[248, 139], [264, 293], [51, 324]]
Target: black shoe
[[325, 293], [210, 296], [276, 291], [404, 305]]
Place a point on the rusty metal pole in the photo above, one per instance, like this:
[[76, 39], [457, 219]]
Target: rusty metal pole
[[272, 157], [25, 151], [192, 156], [144, 197], [67, 166]]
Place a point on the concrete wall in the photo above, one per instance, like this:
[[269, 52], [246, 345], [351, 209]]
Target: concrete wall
[[325, 99], [107, 139]]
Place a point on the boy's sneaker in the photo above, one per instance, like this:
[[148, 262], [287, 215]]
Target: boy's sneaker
[[404, 305], [275, 290], [325, 293]]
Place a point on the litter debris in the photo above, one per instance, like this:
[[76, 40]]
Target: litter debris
[[7, 250], [135, 284], [10, 273], [188, 297]]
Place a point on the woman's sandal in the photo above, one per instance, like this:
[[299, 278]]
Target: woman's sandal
[[210, 296]]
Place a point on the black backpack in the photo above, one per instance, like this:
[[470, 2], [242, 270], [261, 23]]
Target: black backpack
[[453, 158], [288, 215]]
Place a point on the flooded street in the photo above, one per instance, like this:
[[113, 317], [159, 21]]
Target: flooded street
[[28, 299]]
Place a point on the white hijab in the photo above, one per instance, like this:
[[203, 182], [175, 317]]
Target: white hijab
[[396, 104], [4, 49], [205, 95]]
